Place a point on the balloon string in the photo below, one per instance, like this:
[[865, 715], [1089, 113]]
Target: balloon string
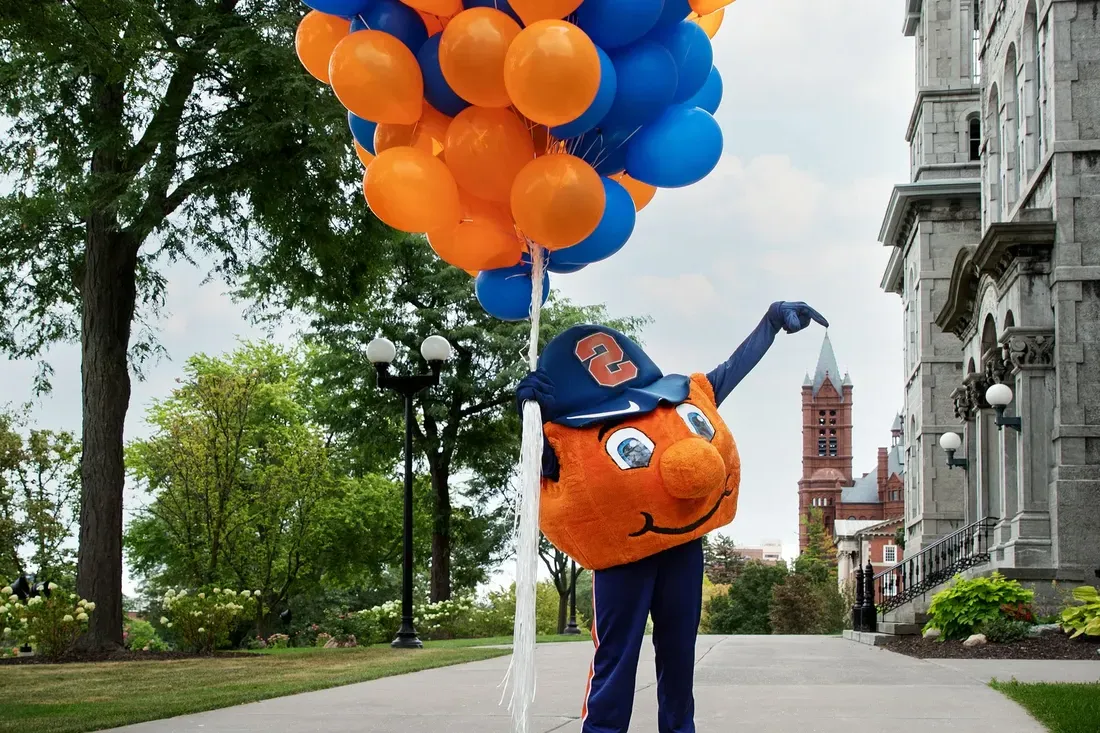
[[521, 670]]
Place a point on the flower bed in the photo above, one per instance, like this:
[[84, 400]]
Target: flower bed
[[1049, 645]]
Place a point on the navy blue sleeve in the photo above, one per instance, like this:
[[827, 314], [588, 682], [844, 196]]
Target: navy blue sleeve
[[729, 374]]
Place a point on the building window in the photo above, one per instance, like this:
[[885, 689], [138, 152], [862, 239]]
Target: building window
[[852, 518], [832, 446], [832, 432], [976, 44], [1040, 98], [975, 136], [890, 554], [832, 413], [821, 446]]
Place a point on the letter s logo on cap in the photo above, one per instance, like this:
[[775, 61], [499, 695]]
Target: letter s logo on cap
[[605, 360]]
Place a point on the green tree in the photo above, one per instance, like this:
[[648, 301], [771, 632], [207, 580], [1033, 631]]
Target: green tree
[[238, 478], [722, 559], [145, 132], [795, 606], [562, 577], [818, 560], [39, 496], [745, 608], [467, 430]]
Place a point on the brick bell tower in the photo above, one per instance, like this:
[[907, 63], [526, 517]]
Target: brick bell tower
[[826, 440]]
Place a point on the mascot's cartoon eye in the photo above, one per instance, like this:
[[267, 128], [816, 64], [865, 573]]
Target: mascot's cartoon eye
[[696, 421], [630, 448]]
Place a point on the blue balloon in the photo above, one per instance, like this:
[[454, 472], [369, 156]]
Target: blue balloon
[[363, 131], [395, 18], [596, 111], [506, 293], [604, 151], [710, 96], [436, 89], [342, 8], [501, 5], [680, 148], [673, 12], [646, 81], [691, 50], [552, 265], [611, 234], [616, 23]]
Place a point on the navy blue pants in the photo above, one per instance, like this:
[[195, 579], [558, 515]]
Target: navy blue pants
[[669, 587]]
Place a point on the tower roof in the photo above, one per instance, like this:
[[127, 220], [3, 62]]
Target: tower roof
[[826, 366]]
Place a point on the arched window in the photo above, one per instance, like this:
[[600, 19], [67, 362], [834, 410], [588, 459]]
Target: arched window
[[974, 137], [1012, 136], [976, 43], [994, 155]]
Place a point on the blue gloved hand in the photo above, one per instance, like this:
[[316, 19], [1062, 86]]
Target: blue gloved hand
[[535, 387], [793, 317]]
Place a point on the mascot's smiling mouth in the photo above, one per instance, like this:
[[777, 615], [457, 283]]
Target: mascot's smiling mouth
[[650, 527]]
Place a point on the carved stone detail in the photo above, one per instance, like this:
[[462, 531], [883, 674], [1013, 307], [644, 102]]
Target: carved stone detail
[[995, 368], [1027, 348], [976, 385], [964, 407]]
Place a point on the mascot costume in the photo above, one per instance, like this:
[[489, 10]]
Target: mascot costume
[[637, 466]]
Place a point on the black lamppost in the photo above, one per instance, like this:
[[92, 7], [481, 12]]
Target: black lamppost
[[381, 352], [571, 628]]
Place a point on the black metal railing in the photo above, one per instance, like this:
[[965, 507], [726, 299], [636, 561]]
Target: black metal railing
[[934, 565]]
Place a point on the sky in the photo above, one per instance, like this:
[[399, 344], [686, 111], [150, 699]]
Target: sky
[[817, 99]]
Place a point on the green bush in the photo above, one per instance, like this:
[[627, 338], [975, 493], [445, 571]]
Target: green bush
[[1084, 618], [968, 604], [744, 609], [202, 621], [1003, 630], [137, 634], [49, 625], [795, 606]]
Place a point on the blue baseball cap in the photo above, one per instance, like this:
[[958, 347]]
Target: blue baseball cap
[[599, 374]]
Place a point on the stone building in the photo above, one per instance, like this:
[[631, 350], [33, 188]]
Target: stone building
[[827, 481], [996, 256]]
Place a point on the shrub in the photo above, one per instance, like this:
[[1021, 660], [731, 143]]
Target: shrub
[[710, 592], [322, 639], [1018, 612], [49, 625], [137, 634], [1085, 618], [278, 641], [968, 604], [744, 608], [1002, 630], [202, 621], [795, 606]]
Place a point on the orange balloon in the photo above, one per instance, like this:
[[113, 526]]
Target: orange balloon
[[427, 133], [642, 193], [377, 77], [365, 156], [552, 72], [442, 8], [477, 244], [557, 200], [486, 148], [315, 40], [471, 55], [710, 23], [411, 190], [532, 11], [433, 23], [706, 7]]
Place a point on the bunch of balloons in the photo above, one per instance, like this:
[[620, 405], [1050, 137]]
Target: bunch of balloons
[[503, 129]]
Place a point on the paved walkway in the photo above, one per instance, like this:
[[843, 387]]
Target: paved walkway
[[763, 684]]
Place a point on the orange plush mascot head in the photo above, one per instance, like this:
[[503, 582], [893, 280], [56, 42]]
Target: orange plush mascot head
[[635, 462]]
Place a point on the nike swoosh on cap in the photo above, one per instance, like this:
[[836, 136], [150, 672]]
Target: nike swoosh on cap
[[633, 407]]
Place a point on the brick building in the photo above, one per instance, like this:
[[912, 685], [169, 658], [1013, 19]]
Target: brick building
[[827, 481]]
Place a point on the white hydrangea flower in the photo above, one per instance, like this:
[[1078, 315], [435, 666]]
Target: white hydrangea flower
[[90, 606], [7, 631], [67, 619], [163, 620], [171, 592], [169, 624], [202, 595], [182, 593], [256, 593], [217, 590], [51, 586], [6, 590], [202, 630], [82, 617]]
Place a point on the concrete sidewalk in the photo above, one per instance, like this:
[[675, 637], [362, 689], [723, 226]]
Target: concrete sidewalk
[[763, 684]]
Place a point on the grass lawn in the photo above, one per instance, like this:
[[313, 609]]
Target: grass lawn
[[1063, 708], [72, 698]]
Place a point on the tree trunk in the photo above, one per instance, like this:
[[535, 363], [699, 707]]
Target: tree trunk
[[108, 295], [441, 536], [563, 610]]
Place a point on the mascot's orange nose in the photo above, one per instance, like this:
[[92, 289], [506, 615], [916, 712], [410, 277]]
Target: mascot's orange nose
[[692, 468]]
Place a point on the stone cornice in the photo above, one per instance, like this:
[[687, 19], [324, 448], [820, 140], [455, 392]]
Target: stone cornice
[[1002, 245], [926, 95], [900, 212], [912, 17], [892, 278]]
